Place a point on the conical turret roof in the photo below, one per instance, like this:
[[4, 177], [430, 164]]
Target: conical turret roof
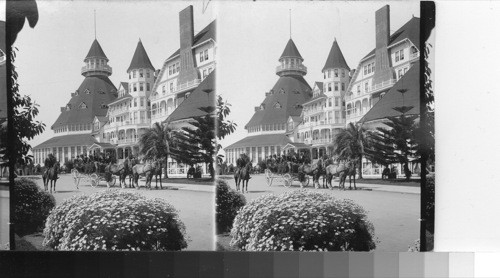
[[96, 51], [140, 59], [335, 58], [291, 50]]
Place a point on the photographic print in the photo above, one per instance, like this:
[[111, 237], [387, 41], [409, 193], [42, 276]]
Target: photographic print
[[326, 100], [118, 140], [4, 162]]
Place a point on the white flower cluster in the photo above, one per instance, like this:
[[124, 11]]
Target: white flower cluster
[[114, 220], [302, 220]]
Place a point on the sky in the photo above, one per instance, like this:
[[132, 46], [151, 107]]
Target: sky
[[51, 55], [250, 44]]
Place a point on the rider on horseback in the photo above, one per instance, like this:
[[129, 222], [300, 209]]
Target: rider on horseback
[[50, 161]]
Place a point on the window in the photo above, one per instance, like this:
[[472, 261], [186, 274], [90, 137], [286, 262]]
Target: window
[[277, 105], [170, 70], [329, 87], [204, 73], [163, 89], [365, 70], [133, 73], [400, 73], [87, 91], [337, 100], [83, 106], [147, 74], [324, 75], [206, 55], [147, 87], [366, 87], [135, 102], [337, 116], [336, 72], [373, 67], [171, 87], [178, 65], [141, 87], [202, 57], [336, 86], [329, 74], [359, 89], [135, 87], [209, 70], [343, 73], [141, 73], [329, 102], [343, 86], [401, 54], [404, 71], [142, 101]]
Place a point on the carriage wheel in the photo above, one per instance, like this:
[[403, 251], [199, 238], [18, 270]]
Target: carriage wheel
[[287, 180], [94, 180], [305, 181]]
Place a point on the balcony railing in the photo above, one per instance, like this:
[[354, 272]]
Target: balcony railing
[[180, 88], [105, 68], [282, 68], [414, 55], [157, 113], [377, 87]]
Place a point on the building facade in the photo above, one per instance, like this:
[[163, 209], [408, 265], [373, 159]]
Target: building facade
[[74, 127], [277, 116]]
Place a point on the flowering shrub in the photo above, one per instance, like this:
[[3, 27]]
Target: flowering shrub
[[32, 206], [227, 203], [302, 220], [114, 220]]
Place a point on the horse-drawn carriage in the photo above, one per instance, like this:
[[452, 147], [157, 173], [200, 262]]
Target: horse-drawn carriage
[[287, 172], [91, 172]]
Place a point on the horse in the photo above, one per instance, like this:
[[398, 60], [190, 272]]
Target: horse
[[115, 169], [145, 169], [342, 171], [314, 170], [244, 175], [51, 175], [157, 171], [351, 173]]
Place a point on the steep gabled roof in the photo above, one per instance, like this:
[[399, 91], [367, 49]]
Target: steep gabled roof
[[100, 91], [96, 51], [207, 33], [290, 50], [140, 60], [411, 31], [384, 108], [335, 58], [290, 92], [202, 96], [319, 85]]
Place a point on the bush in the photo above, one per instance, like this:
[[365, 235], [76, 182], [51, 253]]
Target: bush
[[302, 220], [68, 166], [32, 206], [227, 203], [114, 220]]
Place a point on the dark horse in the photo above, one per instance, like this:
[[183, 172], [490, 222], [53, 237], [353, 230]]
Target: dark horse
[[342, 170], [156, 172], [51, 175], [314, 170], [115, 169], [351, 173], [145, 169], [243, 175]]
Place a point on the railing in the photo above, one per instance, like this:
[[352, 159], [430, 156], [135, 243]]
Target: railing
[[118, 111], [414, 55], [158, 113], [376, 87], [97, 68], [314, 111], [180, 88], [300, 68]]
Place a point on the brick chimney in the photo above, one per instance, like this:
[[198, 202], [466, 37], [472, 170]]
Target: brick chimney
[[187, 70], [383, 69]]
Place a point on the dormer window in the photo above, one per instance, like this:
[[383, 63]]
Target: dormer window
[[262, 106], [296, 92], [103, 106], [68, 107], [277, 105], [76, 92], [83, 105], [282, 91], [87, 91], [101, 92]]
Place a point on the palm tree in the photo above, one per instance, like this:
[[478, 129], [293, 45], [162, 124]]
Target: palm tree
[[156, 143], [350, 144]]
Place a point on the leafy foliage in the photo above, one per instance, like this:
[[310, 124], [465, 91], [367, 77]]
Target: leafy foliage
[[32, 206], [288, 222], [350, 144], [227, 204], [114, 220], [23, 120], [157, 143]]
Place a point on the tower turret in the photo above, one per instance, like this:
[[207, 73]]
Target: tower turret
[[96, 62], [336, 72], [141, 73], [291, 61]]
